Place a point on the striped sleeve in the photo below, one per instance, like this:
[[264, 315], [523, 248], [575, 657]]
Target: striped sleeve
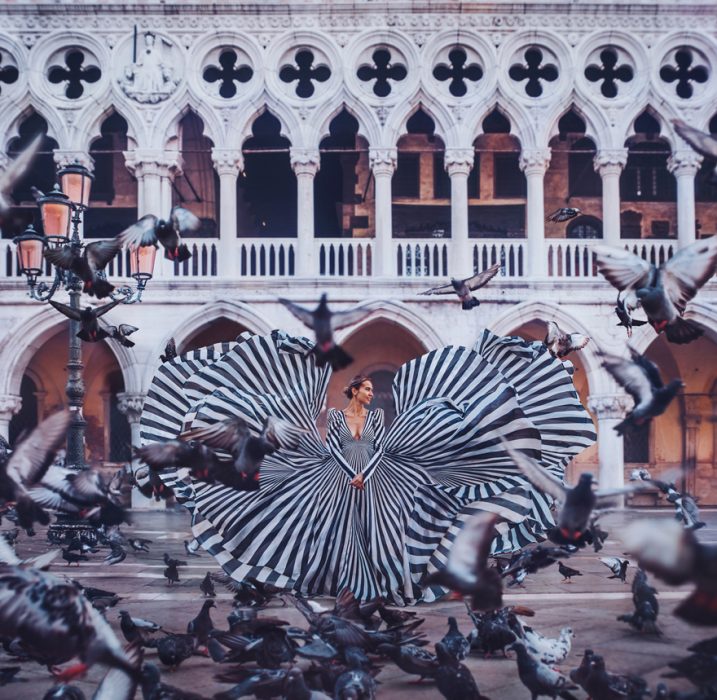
[[379, 434], [333, 442]]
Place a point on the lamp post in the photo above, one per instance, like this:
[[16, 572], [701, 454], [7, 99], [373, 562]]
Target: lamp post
[[61, 212]]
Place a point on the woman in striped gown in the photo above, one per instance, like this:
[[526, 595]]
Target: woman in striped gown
[[370, 509]]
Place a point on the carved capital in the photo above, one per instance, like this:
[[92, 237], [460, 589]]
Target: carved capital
[[131, 405], [305, 161], [459, 160], [609, 406], [382, 160], [684, 163], [65, 157], [10, 404], [610, 161], [148, 163], [227, 161], [534, 161]]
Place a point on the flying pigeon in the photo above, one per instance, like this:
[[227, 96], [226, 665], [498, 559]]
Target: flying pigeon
[[170, 351], [120, 333], [641, 379], [87, 263], [704, 144], [150, 230], [563, 214], [463, 288], [577, 503], [560, 344], [622, 310], [90, 330], [662, 292], [618, 566], [324, 323], [15, 171]]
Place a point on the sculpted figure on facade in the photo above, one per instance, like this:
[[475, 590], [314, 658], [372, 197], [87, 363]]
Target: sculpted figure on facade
[[150, 78]]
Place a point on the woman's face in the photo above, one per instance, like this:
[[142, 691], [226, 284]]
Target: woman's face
[[364, 394]]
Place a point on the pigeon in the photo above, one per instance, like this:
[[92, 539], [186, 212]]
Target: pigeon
[[73, 557], [90, 331], [117, 554], [453, 679], [87, 263], [618, 567], [136, 630], [641, 379], [99, 598], [202, 624], [325, 323], [173, 649], [622, 310], [411, 659], [685, 505], [64, 692], [248, 451], [704, 144], [675, 555], [549, 651], [601, 685], [563, 214], [170, 351], [355, 684], [577, 503], [597, 534], [466, 570], [529, 561], [493, 630], [154, 689], [560, 344], [171, 573], [706, 646], [188, 548], [566, 572], [700, 669], [662, 292], [54, 622], [644, 599], [120, 333], [463, 287], [296, 688], [207, 586], [139, 544], [8, 673], [150, 230], [538, 677], [454, 643], [201, 461], [119, 685], [14, 172], [28, 464]]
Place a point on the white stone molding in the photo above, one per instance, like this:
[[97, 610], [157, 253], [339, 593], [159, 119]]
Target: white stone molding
[[685, 163], [64, 157], [459, 160], [383, 160], [609, 406], [10, 404], [305, 161], [684, 166], [13, 55], [383, 165], [610, 160], [228, 161], [131, 405], [534, 161]]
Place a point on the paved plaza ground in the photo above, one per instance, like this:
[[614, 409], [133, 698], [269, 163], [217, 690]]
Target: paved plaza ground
[[590, 605]]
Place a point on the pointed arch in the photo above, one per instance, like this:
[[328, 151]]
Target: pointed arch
[[396, 126], [369, 128], [596, 126]]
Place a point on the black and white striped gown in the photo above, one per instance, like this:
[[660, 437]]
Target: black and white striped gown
[[439, 462]]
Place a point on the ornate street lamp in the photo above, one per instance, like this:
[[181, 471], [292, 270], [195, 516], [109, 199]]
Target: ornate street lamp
[[61, 211]]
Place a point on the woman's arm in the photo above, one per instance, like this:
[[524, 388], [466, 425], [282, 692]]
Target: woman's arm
[[379, 434], [333, 442]]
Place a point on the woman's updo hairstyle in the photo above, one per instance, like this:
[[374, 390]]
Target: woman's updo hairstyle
[[355, 383]]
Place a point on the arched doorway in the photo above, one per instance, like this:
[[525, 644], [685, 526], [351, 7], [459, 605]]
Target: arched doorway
[[218, 331]]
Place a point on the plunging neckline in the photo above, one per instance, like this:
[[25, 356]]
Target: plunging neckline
[[348, 427]]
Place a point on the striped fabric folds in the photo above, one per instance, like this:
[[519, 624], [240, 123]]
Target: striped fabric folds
[[440, 461]]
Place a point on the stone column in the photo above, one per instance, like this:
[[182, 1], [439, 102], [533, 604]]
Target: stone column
[[228, 163], [534, 162], [305, 162], [459, 162], [692, 418], [609, 164], [684, 166], [130, 405], [10, 404], [609, 410], [383, 165]]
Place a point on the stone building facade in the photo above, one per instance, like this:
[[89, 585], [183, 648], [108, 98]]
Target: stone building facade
[[369, 150]]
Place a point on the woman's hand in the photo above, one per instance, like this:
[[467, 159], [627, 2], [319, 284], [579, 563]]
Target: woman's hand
[[357, 482]]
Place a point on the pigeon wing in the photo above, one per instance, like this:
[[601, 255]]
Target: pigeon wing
[[684, 273], [471, 547], [350, 317], [60, 257], [18, 167], [607, 497], [102, 310], [648, 367], [184, 222], [443, 289], [34, 455], [554, 333], [282, 433], [612, 563], [143, 233], [621, 268], [226, 435], [99, 253], [126, 329], [537, 476], [629, 375], [302, 313], [703, 143], [482, 278]]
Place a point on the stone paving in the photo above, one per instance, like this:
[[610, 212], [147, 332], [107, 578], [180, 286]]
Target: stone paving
[[590, 605]]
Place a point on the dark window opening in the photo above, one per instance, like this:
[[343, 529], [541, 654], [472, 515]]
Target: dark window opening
[[496, 123], [496, 221], [637, 444], [508, 178], [442, 180], [584, 227], [406, 178], [583, 181], [646, 177], [27, 417], [120, 436], [630, 224]]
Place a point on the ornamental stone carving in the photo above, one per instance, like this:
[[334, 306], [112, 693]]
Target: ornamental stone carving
[[65, 157], [151, 74], [382, 160], [609, 406], [131, 405], [227, 161], [610, 161], [685, 163], [305, 161], [534, 160], [459, 160], [10, 404]]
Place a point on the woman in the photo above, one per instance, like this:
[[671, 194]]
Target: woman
[[371, 510]]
